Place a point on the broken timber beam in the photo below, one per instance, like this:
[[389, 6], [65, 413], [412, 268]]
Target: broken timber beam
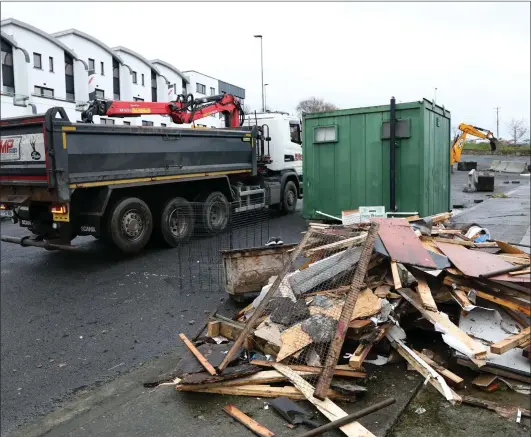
[[450, 377], [261, 307], [337, 245], [397, 282], [512, 304], [425, 295], [245, 420], [198, 355], [330, 410], [340, 370], [356, 285], [359, 355], [502, 346]]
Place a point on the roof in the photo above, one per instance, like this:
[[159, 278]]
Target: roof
[[13, 43], [171, 67], [40, 33], [91, 39], [136, 55], [202, 74]]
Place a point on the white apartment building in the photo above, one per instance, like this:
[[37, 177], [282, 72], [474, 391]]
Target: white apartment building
[[69, 68]]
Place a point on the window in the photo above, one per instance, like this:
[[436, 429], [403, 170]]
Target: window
[[200, 88], [183, 86], [163, 125], [138, 99], [69, 77], [153, 86], [102, 68], [8, 77], [127, 123], [143, 83], [42, 91], [325, 134], [212, 91], [92, 66], [100, 94], [50, 63], [134, 77], [106, 121], [116, 79], [37, 60], [295, 133], [147, 123]]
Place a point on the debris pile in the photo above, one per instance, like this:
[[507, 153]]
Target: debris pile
[[354, 294]]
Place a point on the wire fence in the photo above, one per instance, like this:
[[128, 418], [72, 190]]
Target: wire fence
[[203, 232], [299, 322]]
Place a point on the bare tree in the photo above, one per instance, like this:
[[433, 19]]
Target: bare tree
[[517, 130], [314, 104]]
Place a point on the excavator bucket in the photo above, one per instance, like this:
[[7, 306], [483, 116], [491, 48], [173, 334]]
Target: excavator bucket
[[493, 144]]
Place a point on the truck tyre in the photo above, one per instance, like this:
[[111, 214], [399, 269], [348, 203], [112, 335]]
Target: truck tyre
[[176, 221], [215, 215], [289, 197], [130, 224]]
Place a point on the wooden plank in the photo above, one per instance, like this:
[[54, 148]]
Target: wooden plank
[[337, 245], [396, 276], [450, 377], [513, 259], [213, 329], [436, 231], [521, 307], [442, 217], [442, 321], [484, 380], [261, 307], [330, 410], [425, 370], [263, 377], [507, 248], [359, 355], [340, 370], [461, 298], [463, 243], [521, 272], [198, 355], [267, 391], [502, 346], [425, 295], [245, 420]]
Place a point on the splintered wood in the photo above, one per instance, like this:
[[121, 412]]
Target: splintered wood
[[244, 419], [330, 410]]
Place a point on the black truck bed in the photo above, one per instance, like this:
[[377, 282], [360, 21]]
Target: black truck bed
[[65, 155]]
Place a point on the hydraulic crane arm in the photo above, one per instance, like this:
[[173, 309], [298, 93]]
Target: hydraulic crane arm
[[184, 110], [459, 141]]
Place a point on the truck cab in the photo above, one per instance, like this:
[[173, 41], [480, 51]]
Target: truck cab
[[284, 148]]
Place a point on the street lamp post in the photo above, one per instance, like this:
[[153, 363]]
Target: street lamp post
[[265, 96], [262, 68]]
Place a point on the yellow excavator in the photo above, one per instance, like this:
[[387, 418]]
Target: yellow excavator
[[459, 140]]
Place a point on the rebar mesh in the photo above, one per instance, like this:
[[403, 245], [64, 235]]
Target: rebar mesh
[[299, 323]]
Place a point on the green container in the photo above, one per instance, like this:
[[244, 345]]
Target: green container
[[346, 160]]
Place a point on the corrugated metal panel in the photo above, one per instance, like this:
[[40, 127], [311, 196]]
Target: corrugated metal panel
[[354, 170], [225, 87]]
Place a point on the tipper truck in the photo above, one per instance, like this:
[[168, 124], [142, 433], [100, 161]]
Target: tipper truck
[[125, 184]]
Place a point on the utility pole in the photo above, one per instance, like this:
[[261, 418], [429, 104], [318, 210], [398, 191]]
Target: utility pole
[[262, 68], [497, 121]]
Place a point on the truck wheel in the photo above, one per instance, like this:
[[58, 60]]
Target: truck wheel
[[177, 221], [130, 224], [289, 197], [215, 216]]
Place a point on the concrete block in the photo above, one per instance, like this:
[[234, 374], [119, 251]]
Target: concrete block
[[515, 167], [494, 164]]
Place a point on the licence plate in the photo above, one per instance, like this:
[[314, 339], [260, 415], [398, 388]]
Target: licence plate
[[6, 213]]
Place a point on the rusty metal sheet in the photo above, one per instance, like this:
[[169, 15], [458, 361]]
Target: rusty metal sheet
[[402, 244], [474, 263]]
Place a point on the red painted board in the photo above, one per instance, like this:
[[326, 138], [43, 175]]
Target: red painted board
[[402, 244], [474, 262]]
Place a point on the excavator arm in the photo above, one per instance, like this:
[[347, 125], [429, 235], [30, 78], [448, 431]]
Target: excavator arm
[[184, 110], [459, 140]]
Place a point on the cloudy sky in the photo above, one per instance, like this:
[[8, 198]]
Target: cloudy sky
[[477, 55]]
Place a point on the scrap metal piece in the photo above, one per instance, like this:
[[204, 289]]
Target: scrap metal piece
[[402, 244]]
